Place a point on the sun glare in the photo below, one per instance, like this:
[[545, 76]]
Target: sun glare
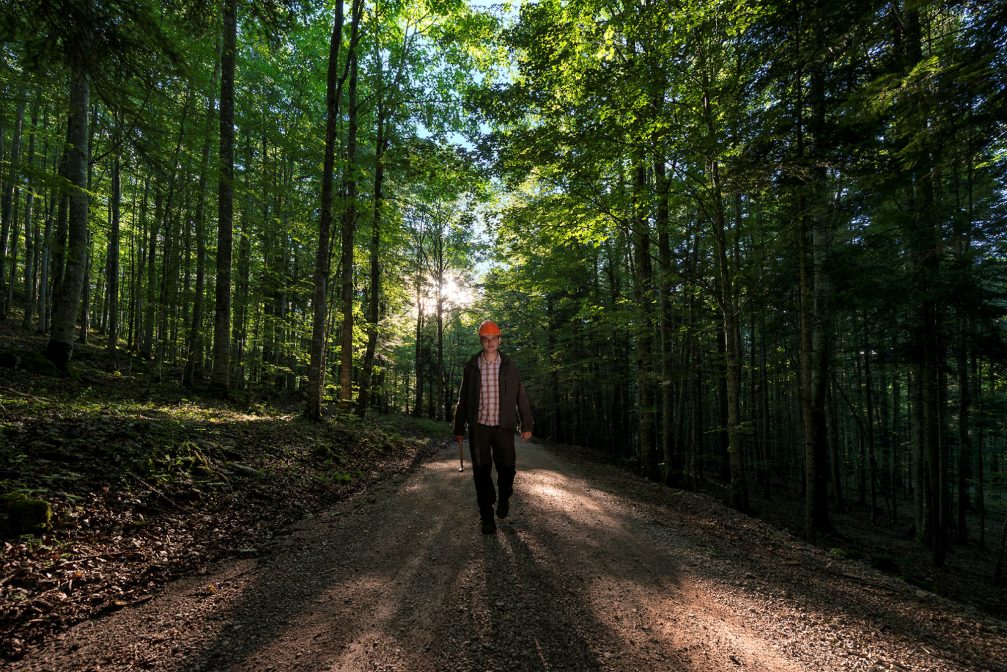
[[457, 294]]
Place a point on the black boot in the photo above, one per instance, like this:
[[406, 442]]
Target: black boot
[[505, 483], [485, 496]]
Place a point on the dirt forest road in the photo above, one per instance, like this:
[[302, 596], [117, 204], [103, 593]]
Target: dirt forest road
[[594, 570]]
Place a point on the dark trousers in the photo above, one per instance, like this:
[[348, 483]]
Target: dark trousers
[[489, 446]]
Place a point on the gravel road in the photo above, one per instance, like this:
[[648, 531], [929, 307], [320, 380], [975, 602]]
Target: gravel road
[[595, 569]]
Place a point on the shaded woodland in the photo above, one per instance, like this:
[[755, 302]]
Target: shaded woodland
[[758, 243]]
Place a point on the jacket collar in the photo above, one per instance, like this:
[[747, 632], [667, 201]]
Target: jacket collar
[[474, 360]]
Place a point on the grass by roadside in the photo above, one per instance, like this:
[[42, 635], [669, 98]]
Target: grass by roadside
[[147, 483]]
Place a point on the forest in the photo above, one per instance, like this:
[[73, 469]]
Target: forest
[[756, 245]]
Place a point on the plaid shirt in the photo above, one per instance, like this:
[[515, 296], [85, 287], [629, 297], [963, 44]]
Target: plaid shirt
[[489, 392]]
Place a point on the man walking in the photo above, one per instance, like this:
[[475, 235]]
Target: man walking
[[493, 404]]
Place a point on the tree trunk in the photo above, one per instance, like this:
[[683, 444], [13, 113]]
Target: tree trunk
[[964, 441], [316, 367], [730, 313], [440, 380], [84, 330], [30, 240], [60, 347], [418, 352], [10, 193], [113, 258], [374, 292], [240, 332], [225, 207], [670, 451], [150, 303], [872, 462], [835, 466], [349, 218], [194, 345], [814, 321], [918, 450], [895, 441], [644, 293], [980, 502], [806, 383], [44, 263]]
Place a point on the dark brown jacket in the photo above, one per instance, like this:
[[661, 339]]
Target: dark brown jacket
[[515, 411]]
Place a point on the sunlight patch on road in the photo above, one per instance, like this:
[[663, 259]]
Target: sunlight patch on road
[[562, 497]]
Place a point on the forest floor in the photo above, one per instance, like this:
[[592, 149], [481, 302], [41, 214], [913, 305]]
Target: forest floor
[[197, 535]]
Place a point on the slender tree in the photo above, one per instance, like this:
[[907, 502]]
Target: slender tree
[[348, 223], [316, 368], [113, 256], [67, 302], [219, 378]]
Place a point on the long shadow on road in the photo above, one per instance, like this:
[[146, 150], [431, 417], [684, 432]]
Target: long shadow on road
[[401, 579]]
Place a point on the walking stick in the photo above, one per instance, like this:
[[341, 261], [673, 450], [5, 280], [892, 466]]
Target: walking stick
[[461, 461]]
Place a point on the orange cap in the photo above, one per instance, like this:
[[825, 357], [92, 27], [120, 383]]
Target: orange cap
[[489, 328]]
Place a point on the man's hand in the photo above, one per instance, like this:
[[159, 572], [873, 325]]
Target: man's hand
[[459, 438], [525, 436]]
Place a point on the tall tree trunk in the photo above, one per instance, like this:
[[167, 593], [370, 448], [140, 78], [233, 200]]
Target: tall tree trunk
[[240, 332], [225, 206], [671, 452], [113, 258], [194, 345], [927, 249], [137, 255], [167, 252], [44, 263], [885, 438], [835, 459], [980, 501], [30, 241], [84, 330], [872, 461], [349, 218], [895, 440], [60, 347], [169, 266], [731, 318], [150, 302], [439, 382], [918, 449], [316, 367], [643, 293], [697, 429], [806, 384], [812, 214], [418, 357], [9, 197], [964, 441], [374, 292], [58, 266]]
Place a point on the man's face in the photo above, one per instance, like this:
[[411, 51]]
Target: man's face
[[490, 343]]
